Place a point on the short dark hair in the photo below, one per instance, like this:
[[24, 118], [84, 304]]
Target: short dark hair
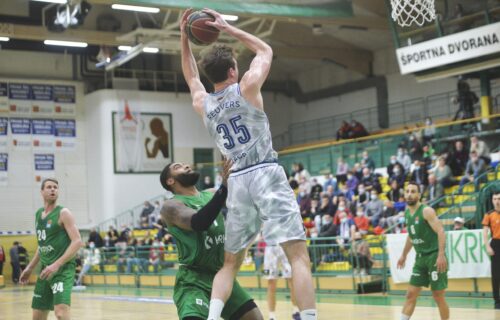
[[415, 184], [47, 180], [496, 192], [164, 176], [216, 61]]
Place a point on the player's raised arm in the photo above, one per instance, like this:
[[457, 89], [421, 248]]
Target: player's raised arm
[[254, 78], [190, 69], [437, 226]]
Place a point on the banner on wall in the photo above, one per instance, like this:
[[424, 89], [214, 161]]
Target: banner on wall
[[467, 257], [4, 166], [43, 103], [65, 134], [43, 134], [64, 100], [44, 166], [4, 127], [20, 98], [20, 132], [127, 132], [4, 98]]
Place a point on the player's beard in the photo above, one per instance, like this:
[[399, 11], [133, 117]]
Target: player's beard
[[188, 179], [411, 202]]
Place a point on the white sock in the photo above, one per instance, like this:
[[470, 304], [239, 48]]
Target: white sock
[[272, 316], [309, 314], [295, 309], [405, 317], [216, 306]]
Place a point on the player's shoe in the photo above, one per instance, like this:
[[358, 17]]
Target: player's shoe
[[296, 316]]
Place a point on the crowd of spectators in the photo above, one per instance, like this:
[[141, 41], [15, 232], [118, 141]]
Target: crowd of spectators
[[352, 130]]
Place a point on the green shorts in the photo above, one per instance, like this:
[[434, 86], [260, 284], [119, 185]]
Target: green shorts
[[425, 273], [192, 295], [56, 290]]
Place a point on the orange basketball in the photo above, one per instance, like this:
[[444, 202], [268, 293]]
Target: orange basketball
[[198, 32]]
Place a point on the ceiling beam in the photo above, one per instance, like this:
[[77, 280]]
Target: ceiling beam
[[376, 7]]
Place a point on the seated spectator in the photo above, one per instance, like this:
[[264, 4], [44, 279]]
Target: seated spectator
[[404, 159], [374, 208], [305, 185], [357, 170], [330, 192], [370, 181], [357, 130], [400, 205], [475, 168], [434, 189], [415, 149], [352, 182], [392, 164], [207, 183], [361, 221], [481, 149], [146, 211], [96, 238], [326, 206], [305, 205], [316, 189], [315, 214], [419, 175], [367, 162], [390, 215], [429, 131], [156, 255], [443, 173], [328, 228], [395, 192], [344, 131], [458, 224], [329, 181], [299, 172], [427, 157], [346, 229], [342, 169], [398, 176], [113, 235], [363, 196], [346, 193], [361, 258], [459, 158], [91, 257], [341, 208]]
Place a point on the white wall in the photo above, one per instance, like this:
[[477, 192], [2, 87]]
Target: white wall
[[110, 193], [40, 65], [21, 198]]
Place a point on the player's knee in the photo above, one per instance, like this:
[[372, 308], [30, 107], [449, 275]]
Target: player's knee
[[411, 295], [61, 312], [438, 295]]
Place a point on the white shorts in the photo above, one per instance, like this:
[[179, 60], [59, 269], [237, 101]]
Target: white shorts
[[276, 264], [260, 196]]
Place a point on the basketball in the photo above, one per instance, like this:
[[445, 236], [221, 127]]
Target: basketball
[[198, 32]]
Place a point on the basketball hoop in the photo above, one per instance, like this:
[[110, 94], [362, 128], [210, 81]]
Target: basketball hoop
[[408, 12]]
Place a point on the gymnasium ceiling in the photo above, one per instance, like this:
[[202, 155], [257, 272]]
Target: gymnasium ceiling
[[347, 41]]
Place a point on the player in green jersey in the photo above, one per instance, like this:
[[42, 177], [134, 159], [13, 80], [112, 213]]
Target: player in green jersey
[[426, 235], [193, 218], [58, 242]]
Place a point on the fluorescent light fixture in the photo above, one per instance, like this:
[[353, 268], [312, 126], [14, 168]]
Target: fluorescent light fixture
[[230, 17], [135, 8], [4, 38], [124, 48], [53, 1], [66, 43], [151, 50]]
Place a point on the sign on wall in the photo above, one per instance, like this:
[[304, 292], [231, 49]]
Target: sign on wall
[[44, 166], [65, 134], [43, 102], [20, 98], [20, 129], [4, 166], [4, 127], [43, 134], [467, 257], [450, 49], [142, 142], [65, 100]]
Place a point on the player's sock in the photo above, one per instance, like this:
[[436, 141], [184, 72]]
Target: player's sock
[[295, 309], [216, 306], [309, 314], [272, 316], [405, 317]]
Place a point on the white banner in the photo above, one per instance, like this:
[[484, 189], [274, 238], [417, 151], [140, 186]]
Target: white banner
[[465, 251], [43, 103], [450, 49], [43, 134], [20, 132], [44, 166], [20, 95], [4, 168], [128, 139]]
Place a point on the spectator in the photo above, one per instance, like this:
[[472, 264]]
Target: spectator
[[329, 181], [328, 228], [305, 205], [300, 172], [357, 130], [346, 229], [316, 189], [207, 183], [443, 173], [466, 100], [363, 195], [419, 175], [14, 262], [429, 131], [404, 159], [342, 169], [395, 192], [390, 216], [458, 224], [398, 175], [95, 238], [459, 158], [113, 235], [326, 206], [352, 182], [155, 216], [344, 131], [361, 221], [427, 157], [357, 170], [2, 259], [23, 256], [346, 193], [434, 190], [156, 255], [91, 257], [390, 168], [400, 205], [305, 185], [415, 148], [218, 179], [360, 255], [315, 213], [481, 148], [146, 211], [370, 181], [341, 208], [367, 161], [374, 208], [475, 167]]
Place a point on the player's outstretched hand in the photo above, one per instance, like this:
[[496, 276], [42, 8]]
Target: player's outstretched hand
[[441, 263], [25, 276], [219, 22], [49, 271], [401, 262], [226, 171], [185, 15]]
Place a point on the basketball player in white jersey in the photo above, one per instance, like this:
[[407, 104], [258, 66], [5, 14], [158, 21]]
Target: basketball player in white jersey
[[259, 193]]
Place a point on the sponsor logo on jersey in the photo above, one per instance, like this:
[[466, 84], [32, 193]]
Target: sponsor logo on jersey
[[46, 249], [417, 241], [209, 241], [416, 220], [49, 223]]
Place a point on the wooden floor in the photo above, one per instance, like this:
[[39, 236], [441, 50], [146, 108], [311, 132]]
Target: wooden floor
[[135, 304]]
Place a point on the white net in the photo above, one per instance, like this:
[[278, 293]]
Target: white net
[[409, 12]]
